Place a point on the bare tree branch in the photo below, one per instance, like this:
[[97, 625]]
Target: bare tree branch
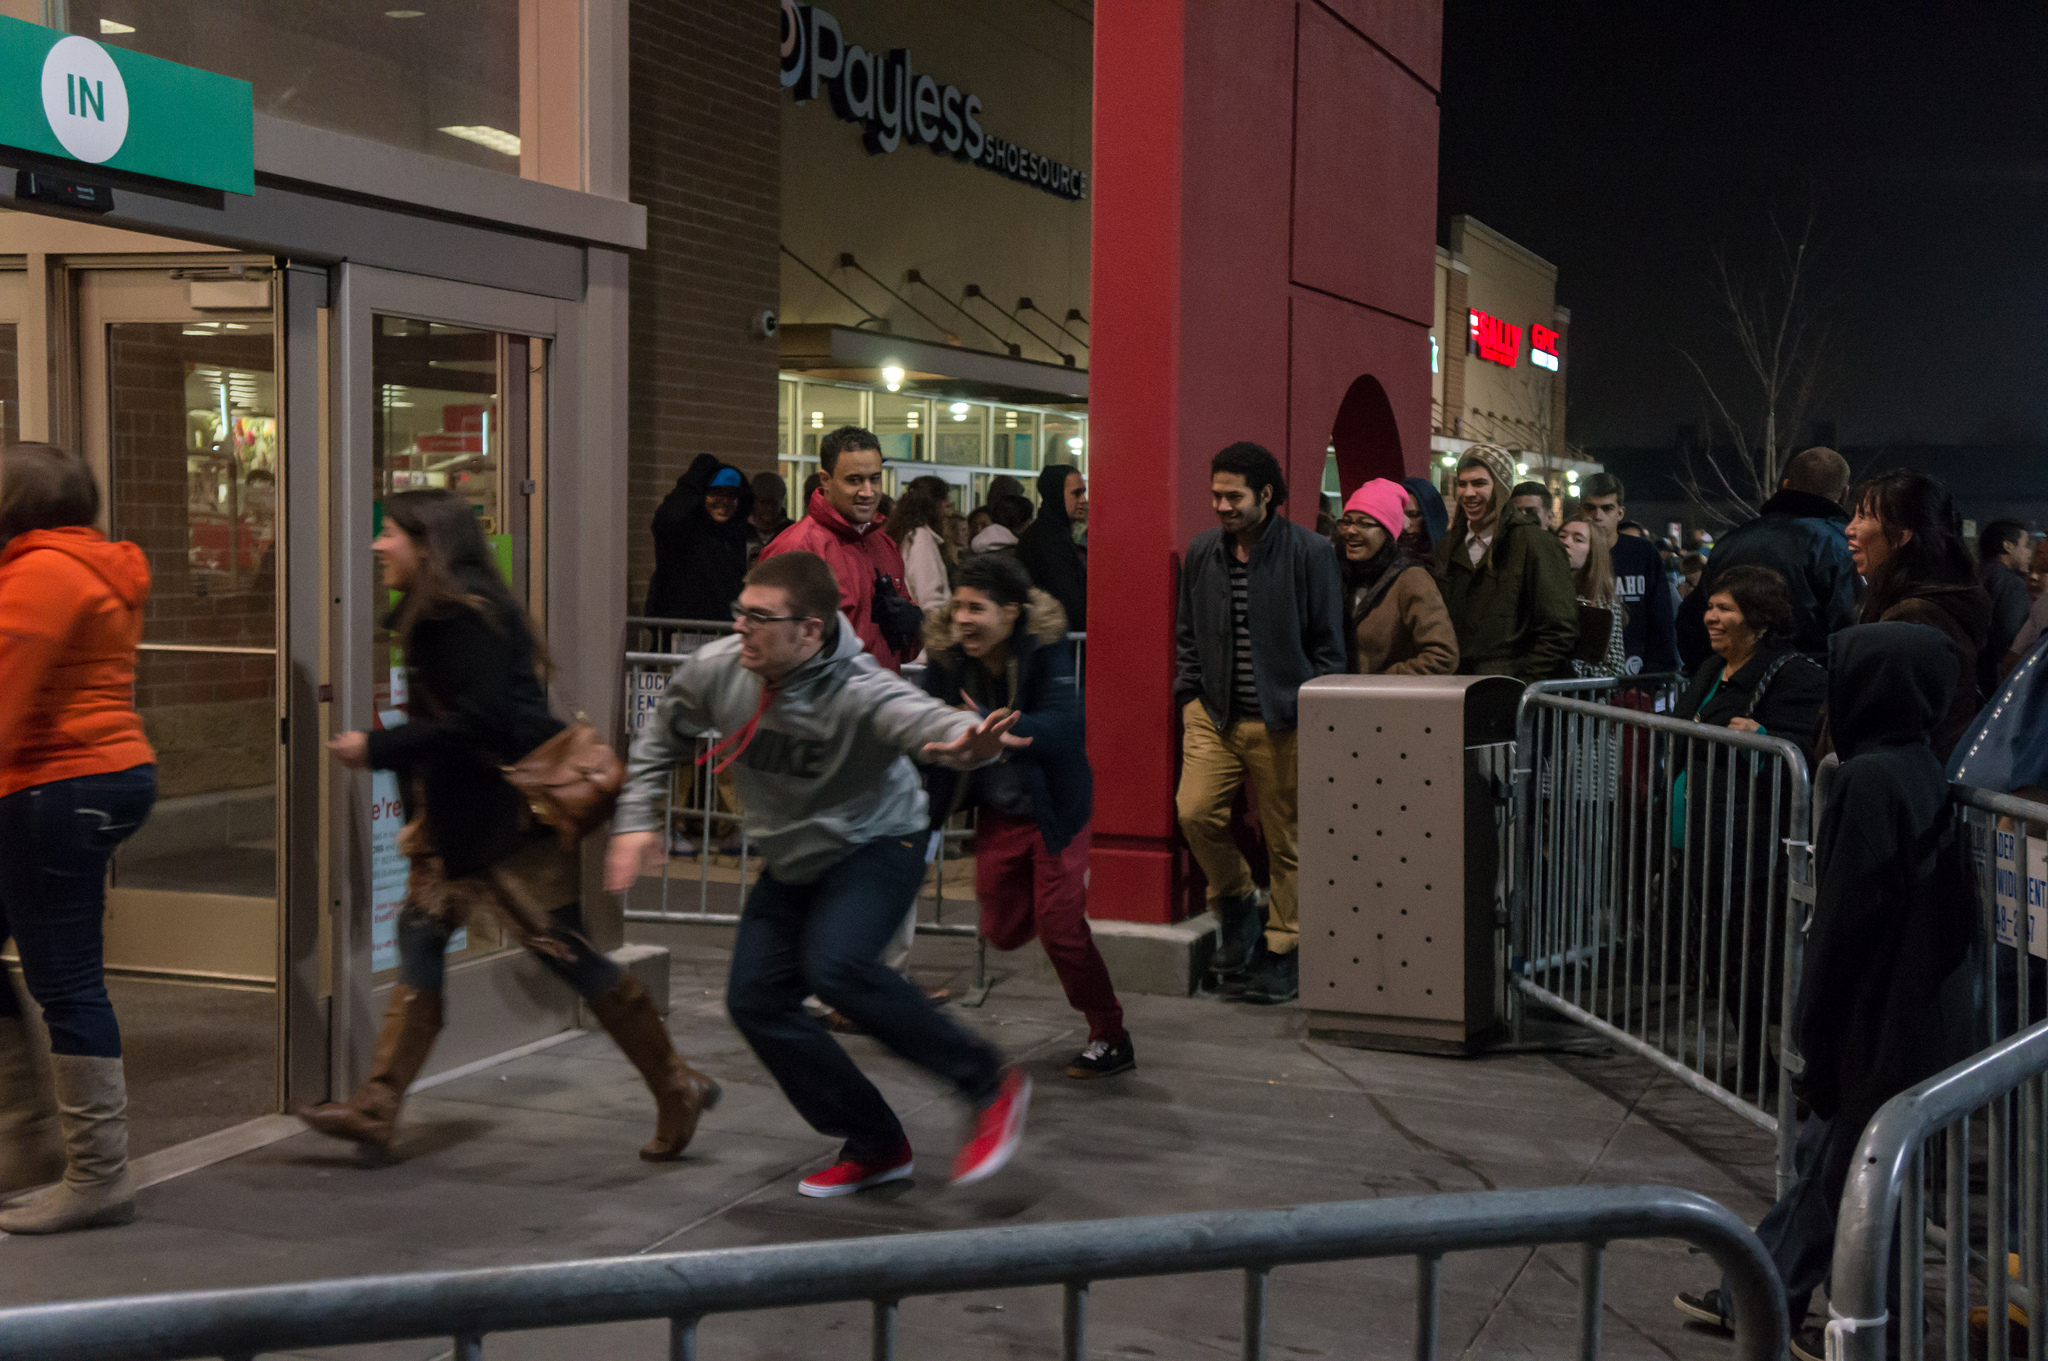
[[1777, 320]]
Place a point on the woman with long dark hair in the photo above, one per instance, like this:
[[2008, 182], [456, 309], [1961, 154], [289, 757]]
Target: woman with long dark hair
[[472, 666], [1907, 542], [918, 525], [77, 777]]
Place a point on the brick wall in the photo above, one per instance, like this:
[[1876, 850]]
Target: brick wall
[[1456, 336], [706, 163]]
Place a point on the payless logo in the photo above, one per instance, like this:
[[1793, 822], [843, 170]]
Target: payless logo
[[85, 100]]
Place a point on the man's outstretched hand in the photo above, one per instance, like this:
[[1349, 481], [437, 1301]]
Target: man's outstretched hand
[[978, 745]]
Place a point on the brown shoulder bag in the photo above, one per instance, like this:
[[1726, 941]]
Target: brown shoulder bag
[[570, 782]]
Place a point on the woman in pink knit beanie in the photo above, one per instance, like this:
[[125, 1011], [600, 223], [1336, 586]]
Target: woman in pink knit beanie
[[1395, 619]]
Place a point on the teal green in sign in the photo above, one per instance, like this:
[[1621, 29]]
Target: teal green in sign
[[79, 100]]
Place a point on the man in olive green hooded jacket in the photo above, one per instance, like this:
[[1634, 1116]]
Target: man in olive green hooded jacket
[[1506, 582]]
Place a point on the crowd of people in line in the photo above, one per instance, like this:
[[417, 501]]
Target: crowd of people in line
[[1857, 623]]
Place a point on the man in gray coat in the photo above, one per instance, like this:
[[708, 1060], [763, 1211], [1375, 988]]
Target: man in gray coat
[[1261, 614], [820, 738]]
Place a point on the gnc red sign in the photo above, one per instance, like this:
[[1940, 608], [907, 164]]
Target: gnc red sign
[[1492, 338], [1543, 347]]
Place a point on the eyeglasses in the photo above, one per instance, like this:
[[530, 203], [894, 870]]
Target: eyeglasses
[[759, 617]]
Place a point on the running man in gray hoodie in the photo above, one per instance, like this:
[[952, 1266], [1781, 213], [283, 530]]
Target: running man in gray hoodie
[[820, 739]]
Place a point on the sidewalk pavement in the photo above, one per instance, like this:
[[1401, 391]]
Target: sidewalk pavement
[[1230, 1107]]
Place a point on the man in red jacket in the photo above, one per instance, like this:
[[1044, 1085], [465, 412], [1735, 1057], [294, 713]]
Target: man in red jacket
[[842, 527]]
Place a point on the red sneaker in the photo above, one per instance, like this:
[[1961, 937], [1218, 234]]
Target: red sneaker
[[846, 1176], [998, 1129]]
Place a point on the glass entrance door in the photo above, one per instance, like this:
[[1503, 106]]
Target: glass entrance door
[[178, 413]]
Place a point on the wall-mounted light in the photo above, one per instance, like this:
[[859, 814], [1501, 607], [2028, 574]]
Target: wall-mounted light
[[817, 420], [1074, 443], [1522, 468], [1449, 460], [1571, 477], [892, 377], [959, 410]]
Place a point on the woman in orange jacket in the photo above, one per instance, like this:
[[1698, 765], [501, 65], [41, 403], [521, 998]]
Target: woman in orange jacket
[[77, 776]]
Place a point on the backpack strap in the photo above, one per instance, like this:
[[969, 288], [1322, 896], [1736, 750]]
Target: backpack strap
[[1756, 694]]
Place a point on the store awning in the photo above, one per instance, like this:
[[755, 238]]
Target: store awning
[[846, 355]]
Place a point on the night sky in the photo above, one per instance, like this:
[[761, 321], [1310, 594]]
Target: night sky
[[1624, 141]]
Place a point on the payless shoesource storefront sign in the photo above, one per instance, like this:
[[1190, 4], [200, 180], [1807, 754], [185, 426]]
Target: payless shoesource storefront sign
[[899, 103], [72, 99]]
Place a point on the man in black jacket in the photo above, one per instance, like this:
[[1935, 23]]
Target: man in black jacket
[[1799, 536], [1261, 614], [2002, 551], [700, 543], [1047, 548], [1882, 1003]]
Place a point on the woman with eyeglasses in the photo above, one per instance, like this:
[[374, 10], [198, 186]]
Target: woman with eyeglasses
[[473, 670], [1395, 620]]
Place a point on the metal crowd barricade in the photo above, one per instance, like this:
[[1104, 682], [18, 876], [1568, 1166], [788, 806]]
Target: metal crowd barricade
[[1960, 1161], [1914, 1179], [884, 1270], [1660, 867]]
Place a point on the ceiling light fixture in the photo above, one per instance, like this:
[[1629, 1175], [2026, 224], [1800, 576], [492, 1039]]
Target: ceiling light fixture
[[108, 26], [892, 377], [1074, 443], [496, 139]]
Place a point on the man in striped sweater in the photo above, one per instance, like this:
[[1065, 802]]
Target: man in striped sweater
[[1261, 613]]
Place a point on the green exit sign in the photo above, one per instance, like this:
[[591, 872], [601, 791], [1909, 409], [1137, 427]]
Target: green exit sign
[[73, 99]]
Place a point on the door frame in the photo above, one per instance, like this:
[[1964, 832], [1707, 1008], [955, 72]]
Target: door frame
[[78, 415], [503, 1000]]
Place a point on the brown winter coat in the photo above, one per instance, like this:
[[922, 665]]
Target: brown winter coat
[[1407, 632]]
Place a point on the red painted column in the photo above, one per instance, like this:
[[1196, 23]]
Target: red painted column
[[1264, 208]]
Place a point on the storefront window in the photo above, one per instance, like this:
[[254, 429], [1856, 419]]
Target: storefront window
[[1016, 439], [963, 434], [822, 408], [904, 425], [1066, 439], [442, 78]]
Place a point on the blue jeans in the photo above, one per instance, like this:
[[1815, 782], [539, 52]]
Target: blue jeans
[[423, 953], [827, 938], [55, 841]]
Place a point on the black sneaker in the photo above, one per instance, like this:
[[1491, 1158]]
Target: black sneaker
[[1276, 979], [1103, 1059], [1704, 1307], [1238, 932]]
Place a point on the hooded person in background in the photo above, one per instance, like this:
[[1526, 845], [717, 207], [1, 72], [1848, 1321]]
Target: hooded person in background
[[1008, 517], [771, 513], [1427, 520], [1879, 1003], [1058, 565], [700, 543]]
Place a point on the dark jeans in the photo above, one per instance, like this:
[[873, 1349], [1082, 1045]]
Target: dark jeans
[[423, 953], [55, 841], [827, 938], [1799, 1231]]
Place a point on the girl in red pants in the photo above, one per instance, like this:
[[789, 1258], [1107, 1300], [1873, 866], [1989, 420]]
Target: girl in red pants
[[1002, 644]]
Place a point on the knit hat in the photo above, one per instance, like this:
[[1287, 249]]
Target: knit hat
[[728, 477], [1384, 501], [1498, 462]]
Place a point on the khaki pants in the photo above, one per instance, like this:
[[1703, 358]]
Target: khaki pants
[[1213, 765]]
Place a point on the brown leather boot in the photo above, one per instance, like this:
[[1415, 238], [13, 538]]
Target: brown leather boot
[[371, 1116], [681, 1093]]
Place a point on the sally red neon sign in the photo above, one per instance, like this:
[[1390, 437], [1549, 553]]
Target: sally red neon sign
[[1500, 341]]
